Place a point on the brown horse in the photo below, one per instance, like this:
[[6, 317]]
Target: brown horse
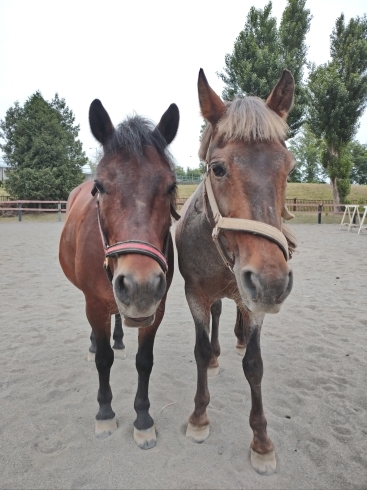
[[121, 222], [230, 241]]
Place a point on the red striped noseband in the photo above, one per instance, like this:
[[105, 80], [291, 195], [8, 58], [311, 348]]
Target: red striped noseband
[[130, 247]]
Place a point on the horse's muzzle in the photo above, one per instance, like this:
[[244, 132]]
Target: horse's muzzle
[[265, 295], [138, 296]]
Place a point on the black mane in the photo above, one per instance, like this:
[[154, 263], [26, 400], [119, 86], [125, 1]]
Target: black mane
[[133, 135]]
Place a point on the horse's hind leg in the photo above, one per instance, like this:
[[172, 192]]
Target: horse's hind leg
[[118, 335], [240, 330], [118, 346], [100, 320], [216, 311], [198, 426], [144, 429], [262, 449]]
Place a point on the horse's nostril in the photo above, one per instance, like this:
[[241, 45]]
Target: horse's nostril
[[159, 286], [122, 289], [250, 283]]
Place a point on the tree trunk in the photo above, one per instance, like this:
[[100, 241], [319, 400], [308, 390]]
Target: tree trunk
[[336, 197]]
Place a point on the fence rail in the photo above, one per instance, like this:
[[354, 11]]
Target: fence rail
[[17, 206], [295, 205]]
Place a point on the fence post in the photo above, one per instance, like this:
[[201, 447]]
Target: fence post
[[319, 209], [19, 212], [59, 210], [295, 202]]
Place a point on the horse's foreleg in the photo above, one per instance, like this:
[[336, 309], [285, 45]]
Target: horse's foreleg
[[262, 449], [100, 321], [144, 430], [240, 332], [118, 335], [92, 348], [198, 426], [216, 311]]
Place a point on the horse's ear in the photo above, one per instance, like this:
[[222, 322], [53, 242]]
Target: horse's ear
[[281, 98], [211, 105], [168, 124], [100, 122]]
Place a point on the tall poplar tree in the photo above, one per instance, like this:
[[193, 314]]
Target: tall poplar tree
[[338, 97], [261, 52]]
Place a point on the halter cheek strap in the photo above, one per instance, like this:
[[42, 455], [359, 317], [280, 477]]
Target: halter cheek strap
[[237, 224], [131, 247]]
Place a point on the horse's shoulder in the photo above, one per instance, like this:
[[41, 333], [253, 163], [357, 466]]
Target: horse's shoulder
[[78, 193]]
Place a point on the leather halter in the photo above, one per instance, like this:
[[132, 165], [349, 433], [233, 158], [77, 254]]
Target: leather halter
[[130, 246], [236, 224]]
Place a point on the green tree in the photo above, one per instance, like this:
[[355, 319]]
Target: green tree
[[262, 51], [180, 171], [358, 174], [306, 151], [193, 172], [94, 160], [338, 96], [41, 149]]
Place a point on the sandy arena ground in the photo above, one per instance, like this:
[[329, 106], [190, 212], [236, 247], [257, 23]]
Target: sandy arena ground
[[314, 387]]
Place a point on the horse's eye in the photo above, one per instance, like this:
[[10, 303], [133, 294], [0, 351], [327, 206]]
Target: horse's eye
[[218, 170], [172, 189], [99, 187]]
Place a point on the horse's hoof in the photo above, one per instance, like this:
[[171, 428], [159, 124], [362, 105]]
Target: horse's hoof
[[241, 351], [198, 434], [91, 357], [264, 464], [145, 439], [105, 428], [214, 371], [120, 353]]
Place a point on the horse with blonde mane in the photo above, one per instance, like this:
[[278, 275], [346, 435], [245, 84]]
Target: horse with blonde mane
[[231, 241]]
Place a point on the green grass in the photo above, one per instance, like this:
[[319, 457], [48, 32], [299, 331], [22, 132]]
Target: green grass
[[186, 190], [300, 191], [322, 191]]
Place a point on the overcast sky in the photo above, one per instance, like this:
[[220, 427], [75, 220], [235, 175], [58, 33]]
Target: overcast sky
[[135, 55]]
